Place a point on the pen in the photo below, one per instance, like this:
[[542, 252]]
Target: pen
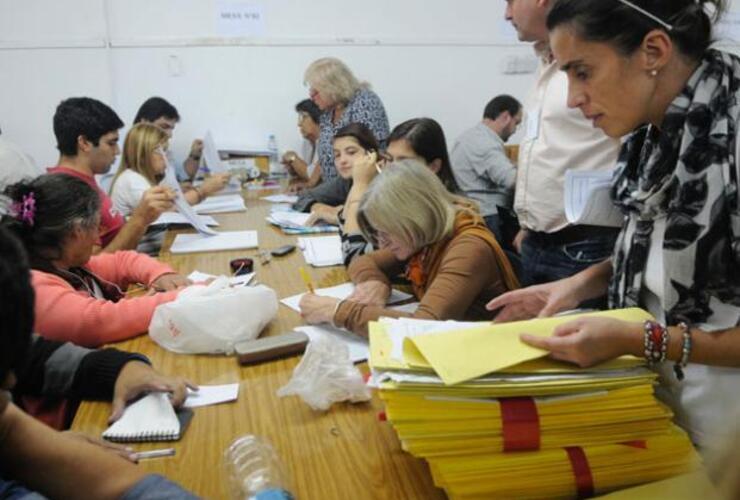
[[306, 279], [165, 452]]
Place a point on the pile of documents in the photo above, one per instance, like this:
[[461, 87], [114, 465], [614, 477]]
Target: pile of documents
[[221, 204], [495, 419], [322, 251], [292, 222]]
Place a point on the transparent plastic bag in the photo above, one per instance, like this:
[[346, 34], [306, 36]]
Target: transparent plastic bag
[[326, 375]]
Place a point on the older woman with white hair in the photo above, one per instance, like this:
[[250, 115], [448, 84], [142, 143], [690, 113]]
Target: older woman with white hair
[[342, 100], [437, 240]]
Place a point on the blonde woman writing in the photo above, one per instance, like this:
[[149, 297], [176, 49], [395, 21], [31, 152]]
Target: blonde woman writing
[[437, 240]]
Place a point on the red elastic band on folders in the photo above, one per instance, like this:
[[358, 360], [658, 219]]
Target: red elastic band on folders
[[642, 444], [581, 471], [521, 424]]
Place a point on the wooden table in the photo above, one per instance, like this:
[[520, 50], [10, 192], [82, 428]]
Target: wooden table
[[343, 453]]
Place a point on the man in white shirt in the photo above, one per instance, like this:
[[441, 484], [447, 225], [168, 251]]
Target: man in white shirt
[[483, 170], [15, 165], [557, 139]]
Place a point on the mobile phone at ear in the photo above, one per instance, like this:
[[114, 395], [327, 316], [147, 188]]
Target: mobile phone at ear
[[283, 250], [272, 347]]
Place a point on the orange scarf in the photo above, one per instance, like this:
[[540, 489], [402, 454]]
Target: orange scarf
[[422, 268]]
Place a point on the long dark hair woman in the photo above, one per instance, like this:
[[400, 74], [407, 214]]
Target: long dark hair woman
[[644, 69], [80, 296], [424, 140]]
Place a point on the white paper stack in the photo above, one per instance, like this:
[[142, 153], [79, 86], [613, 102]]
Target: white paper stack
[[322, 251], [292, 222], [229, 240], [177, 218], [221, 204], [281, 198]]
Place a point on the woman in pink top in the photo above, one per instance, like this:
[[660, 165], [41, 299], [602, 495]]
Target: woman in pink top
[[80, 297]]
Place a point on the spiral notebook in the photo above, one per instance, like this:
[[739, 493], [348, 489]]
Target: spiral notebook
[[152, 418]]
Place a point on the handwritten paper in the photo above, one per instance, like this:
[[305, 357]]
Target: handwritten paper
[[341, 292], [207, 395]]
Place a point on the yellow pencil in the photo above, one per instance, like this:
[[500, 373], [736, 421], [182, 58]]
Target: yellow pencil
[[306, 279]]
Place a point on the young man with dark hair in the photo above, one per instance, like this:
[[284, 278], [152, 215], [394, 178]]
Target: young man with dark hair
[[33, 456], [483, 170], [87, 139], [160, 112]]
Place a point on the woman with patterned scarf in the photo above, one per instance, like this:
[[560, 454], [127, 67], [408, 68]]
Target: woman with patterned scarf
[[437, 240], [644, 68]]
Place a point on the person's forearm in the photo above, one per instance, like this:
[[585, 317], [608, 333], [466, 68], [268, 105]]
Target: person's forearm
[[128, 237], [351, 207], [375, 266], [194, 196], [191, 166], [593, 282], [71, 468], [300, 168], [96, 375], [720, 348], [315, 176]]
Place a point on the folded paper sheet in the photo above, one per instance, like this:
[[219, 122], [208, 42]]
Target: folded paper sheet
[[457, 356]]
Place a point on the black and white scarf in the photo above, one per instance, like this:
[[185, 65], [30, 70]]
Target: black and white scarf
[[685, 176]]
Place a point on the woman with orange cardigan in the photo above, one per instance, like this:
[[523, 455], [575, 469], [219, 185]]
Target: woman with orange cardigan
[[80, 297], [436, 239]]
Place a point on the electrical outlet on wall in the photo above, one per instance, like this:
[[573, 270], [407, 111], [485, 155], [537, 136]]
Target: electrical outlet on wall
[[174, 66]]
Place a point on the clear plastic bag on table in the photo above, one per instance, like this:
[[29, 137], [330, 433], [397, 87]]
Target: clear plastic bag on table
[[213, 318], [326, 375]]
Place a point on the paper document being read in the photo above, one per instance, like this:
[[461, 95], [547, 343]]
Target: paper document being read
[[210, 153], [588, 199], [182, 204]]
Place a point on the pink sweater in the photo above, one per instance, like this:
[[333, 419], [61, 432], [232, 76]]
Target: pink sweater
[[66, 314]]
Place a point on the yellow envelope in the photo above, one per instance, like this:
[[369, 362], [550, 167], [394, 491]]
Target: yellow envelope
[[462, 355]]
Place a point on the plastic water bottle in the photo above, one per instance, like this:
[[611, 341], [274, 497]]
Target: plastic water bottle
[[276, 167], [255, 471]]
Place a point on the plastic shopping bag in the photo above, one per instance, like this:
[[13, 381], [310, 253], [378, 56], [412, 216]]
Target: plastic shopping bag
[[326, 375], [213, 318]]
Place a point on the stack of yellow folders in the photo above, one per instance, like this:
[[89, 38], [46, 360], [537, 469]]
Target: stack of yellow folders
[[495, 419]]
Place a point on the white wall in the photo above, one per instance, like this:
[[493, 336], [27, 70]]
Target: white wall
[[439, 58]]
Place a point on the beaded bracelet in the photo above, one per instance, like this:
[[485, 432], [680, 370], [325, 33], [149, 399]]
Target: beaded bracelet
[[685, 351], [656, 342]]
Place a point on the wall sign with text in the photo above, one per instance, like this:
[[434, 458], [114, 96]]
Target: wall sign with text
[[239, 18]]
